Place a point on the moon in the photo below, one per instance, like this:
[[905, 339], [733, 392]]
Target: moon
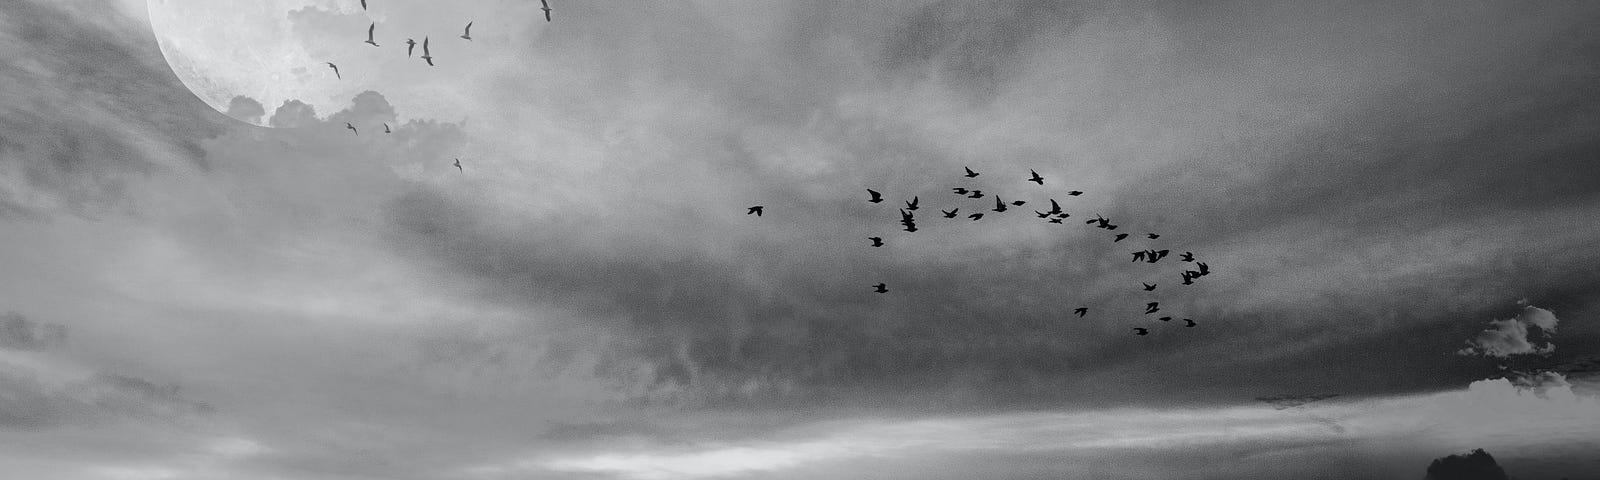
[[236, 54]]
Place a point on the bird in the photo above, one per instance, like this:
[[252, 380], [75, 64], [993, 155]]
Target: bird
[[876, 241], [1074, 193], [912, 205], [1019, 202], [959, 190], [335, 70], [1055, 220], [976, 194], [1063, 215], [881, 288], [1081, 311], [545, 5], [1166, 319], [1055, 208], [755, 210], [458, 166], [1139, 255], [1036, 178], [1148, 287], [1187, 257], [970, 173], [425, 55], [467, 32], [386, 128], [1188, 322], [975, 216], [351, 127], [1152, 236], [1160, 254], [1152, 307], [1204, 270], [1041, 214], [411, 45], [1188, 277], [1097, 219], [950, 214], [369, 34], [999, 206], [1120, 236], [1141, 331], [876, 197], [363, 4]]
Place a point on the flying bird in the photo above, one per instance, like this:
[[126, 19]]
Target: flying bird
[[1166, 319], [755, 210], [335, 70], [876, 241], [1081, 311], [1139, 255], [1152, 236], [1187, 257], [959, 190], [1055, 208], [369, 34], [1152, 307], [363, 4], [458, 166], [975, 216], [950, 214], [1036, 178], [1141, 331], [1120, 236], [976, 194], [1148, 287], [1188, 322], [970, 173], [386, 128], [1019, 202], [999, 206], [1204, 270], [1041, 214], [1074, 193], [545, 5], [912, 205], [1055, 220], [411, 45], [425, 55], [351, 127], [881, 288], [876, 197], [467, 32], [1188, 277]]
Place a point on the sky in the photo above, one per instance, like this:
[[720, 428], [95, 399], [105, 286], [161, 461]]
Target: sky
[[1396, 202]]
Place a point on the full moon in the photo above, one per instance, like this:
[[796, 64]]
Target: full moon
[[274, 51]]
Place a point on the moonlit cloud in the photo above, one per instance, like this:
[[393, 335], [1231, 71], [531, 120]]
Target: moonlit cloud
[[1509, 337]]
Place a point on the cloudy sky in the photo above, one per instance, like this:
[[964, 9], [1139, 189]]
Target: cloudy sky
[[1397, 202]]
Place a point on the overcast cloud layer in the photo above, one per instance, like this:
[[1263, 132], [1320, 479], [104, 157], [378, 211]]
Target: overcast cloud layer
[[1397, 202]]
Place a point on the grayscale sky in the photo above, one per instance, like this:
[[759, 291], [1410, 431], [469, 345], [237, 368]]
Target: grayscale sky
[[1398, 201]]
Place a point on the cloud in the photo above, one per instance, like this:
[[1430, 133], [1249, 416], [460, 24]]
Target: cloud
[[246, 109], [1510, 336], [19, 333], [1287, 401], [1477, 465]]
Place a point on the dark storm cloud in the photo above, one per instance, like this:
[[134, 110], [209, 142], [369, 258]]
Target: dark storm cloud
[[19, 333], [1381, 125], [71, 151]]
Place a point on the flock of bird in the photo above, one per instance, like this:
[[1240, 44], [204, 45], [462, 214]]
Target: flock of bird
[[908, 222], [427, 56]]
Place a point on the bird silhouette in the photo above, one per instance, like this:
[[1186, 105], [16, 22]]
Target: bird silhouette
[[1166, 319], [950, 214], [1097, 219], [1160, 254], [1063, 215], [411, 45], [425, 55], [1204, 270], [999, 206], [1081, 311], [386, 128], [369, 34], [876, 197], [959, 190], [363, 4], [881, 288], [1036, 178], [1055, 208], [876, 241], [976, 194], [351, 127], [466, 33], [1188, 322], [975, 216], [1152, 236], [458, 166], [1152, 307], [755, 210], [1139, 255], [335, 70], [1187, 257], [1074, 193], [912, 205], [1119, 238], [1019, 202], [1148, 287], [545, 5], [970, 173], [1055, 220], [1041, 214], [1141, 331], [1188, 277]]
